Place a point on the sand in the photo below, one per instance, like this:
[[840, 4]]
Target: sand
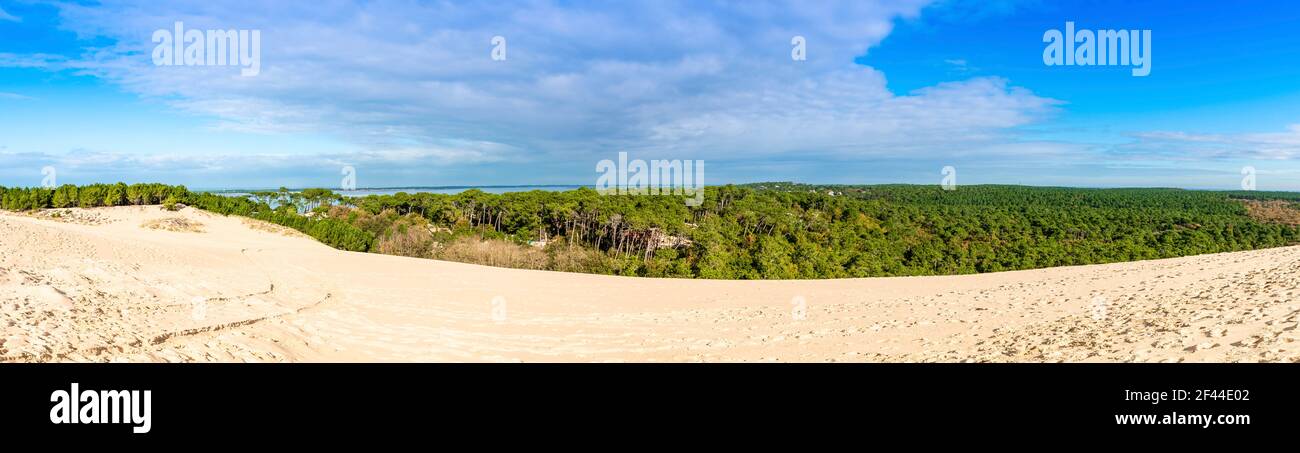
[[108, 285]]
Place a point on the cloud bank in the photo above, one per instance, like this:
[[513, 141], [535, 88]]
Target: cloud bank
[[581, 80]]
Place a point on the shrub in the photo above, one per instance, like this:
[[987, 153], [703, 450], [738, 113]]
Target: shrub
[[493, 252]]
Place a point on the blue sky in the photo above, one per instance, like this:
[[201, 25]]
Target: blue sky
[[891, 91]]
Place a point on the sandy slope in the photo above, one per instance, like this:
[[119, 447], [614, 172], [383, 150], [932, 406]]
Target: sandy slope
[[95, 285]]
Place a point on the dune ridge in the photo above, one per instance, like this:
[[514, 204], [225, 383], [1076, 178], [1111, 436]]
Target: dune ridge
[[99, 285]]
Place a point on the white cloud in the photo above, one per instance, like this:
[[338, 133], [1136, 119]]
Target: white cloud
[[1283, 145], [410, 87], [686, 78], [15, 96], [242, 169], [9, 17]]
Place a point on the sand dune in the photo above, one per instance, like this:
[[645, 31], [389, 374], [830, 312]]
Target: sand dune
[[111, 285]]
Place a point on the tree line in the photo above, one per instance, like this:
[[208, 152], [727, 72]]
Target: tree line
[[89, 196], [757, 231]]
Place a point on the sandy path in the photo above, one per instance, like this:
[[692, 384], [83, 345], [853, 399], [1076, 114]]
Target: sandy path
[[97, 286]]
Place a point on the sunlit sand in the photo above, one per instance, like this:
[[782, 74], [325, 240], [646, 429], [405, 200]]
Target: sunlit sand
[[144, 284]]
